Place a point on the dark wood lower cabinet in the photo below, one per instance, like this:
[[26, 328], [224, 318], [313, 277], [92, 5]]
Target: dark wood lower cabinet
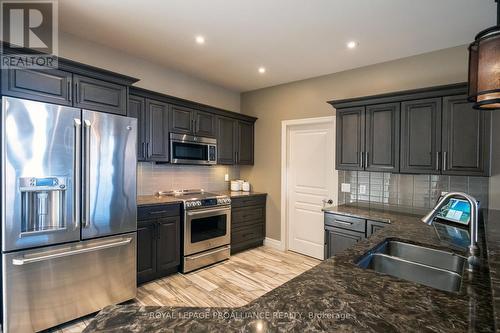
[[158, 241], [342, 232], [337, 240], [248, 222]]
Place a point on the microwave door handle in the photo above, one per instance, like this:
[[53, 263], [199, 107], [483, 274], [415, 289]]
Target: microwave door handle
[[77, 161]]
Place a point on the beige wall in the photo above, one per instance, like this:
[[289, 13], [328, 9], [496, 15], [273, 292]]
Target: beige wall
[[307, 98], [153, 77]]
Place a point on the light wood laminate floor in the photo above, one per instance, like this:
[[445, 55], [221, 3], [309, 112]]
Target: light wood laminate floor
[[235, 282]]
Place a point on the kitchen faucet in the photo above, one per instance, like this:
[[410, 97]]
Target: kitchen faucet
[[473, 249]]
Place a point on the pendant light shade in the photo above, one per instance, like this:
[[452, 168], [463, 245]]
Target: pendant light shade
[[484, 68]]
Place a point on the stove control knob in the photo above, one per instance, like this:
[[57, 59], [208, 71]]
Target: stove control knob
[[228, 200], [198, 203], [189, 204]]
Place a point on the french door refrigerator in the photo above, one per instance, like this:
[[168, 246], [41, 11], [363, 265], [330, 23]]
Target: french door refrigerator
[[68, 213]]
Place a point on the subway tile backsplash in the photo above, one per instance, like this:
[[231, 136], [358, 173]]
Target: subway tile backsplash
[[152, 178], [407, 193]]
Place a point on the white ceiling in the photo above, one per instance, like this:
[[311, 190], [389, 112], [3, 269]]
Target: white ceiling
[[293, 39]]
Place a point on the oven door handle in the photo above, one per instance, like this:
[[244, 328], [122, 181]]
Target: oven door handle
[[224, 210]]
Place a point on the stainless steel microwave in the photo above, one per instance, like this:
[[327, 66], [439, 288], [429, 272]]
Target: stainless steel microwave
[[188, 149]]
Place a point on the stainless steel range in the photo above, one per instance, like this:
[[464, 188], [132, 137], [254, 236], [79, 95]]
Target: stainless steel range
[[207, 227]]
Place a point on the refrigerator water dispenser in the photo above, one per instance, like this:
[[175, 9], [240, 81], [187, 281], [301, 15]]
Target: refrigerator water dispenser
[[42, 202]]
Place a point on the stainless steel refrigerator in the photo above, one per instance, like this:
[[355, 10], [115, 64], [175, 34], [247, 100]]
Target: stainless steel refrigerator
[[68, 213]]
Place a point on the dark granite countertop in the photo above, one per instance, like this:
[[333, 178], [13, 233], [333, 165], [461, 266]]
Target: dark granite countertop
[[237, 194], [146, 200], [336, 295]]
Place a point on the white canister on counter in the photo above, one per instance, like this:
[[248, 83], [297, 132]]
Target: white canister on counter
[[246, 187], [235, 185]]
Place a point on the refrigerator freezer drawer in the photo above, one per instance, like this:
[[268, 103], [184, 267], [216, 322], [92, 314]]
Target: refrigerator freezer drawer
[[49, 286]]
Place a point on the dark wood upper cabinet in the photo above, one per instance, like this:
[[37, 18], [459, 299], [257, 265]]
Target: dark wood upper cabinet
[[382, 138], [137, 109], [421, 136], [99, 95], [189, 121], [245, 138], [182, 120], [51, 86], [226, 140], [204, 124], [157, 147], [350, 141], [168, 243], [465, 138]]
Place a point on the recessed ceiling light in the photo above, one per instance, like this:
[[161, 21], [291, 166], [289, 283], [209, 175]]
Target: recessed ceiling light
[[352, 44], [200, 39], [262, 70]]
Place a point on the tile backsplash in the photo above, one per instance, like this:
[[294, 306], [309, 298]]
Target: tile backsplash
[[153, 177], [408, 193]]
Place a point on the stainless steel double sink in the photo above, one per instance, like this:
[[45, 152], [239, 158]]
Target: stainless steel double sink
[[434, 268]]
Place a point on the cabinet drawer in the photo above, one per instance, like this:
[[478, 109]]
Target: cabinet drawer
[[245, 214], [157, 211], [345, 222], [241, 235], [248, 201]]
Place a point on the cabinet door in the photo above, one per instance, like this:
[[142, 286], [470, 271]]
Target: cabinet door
[[51, 86], [244, 154], [382, 138], [168, 244], [374, 226], [181, 120], [337, 240], [226, 140], [146, 251], [466, 138], [137, 109], [157, 145], [350, 138], [421, 136], [100, 95], [204, 124]]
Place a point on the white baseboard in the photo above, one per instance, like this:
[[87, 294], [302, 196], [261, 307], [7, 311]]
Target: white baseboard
[[275, 244]]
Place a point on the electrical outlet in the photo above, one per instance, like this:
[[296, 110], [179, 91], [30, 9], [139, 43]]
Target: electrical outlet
[[226, 177], [362, 189], [346, 188]]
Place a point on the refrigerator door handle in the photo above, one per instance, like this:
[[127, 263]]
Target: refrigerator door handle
[[23, 261], [86, 178], [77, 162]]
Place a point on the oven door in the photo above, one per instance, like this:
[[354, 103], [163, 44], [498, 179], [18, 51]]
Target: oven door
[[182, 152], [206, 229]]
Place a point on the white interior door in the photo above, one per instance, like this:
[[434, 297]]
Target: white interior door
[[311, 178]]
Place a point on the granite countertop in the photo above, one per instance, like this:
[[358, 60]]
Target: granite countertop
[[336, 295], [145, 200]]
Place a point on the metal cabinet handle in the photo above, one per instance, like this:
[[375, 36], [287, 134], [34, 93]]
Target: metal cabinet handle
[[76, 172], [159, 212], [437, 160], [366, 159], [361, 159], [148, 154], [343, 222], [22, 261], [445, 158], [77, 93], [86, 182], [70, 93]]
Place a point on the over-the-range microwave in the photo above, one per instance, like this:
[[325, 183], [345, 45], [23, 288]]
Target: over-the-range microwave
[[189, 149]]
